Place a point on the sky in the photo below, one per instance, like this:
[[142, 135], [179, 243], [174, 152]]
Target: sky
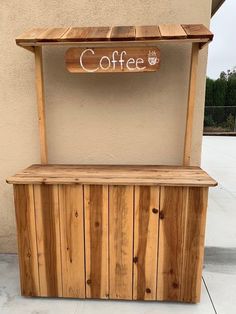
[[222, 51]]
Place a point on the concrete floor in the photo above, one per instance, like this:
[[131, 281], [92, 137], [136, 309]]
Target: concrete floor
[[219, 275]]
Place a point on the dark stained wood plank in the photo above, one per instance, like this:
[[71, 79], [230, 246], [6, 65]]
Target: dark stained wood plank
[[122, 33], [86, 34], [121, 241], [48, 239], [96, 239], [95, 174], [72, 240], [146, 218], [181, 243], [197, 31], [26, 235], [150, 32], [172, 31]]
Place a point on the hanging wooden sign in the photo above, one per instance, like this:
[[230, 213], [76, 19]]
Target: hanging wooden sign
[[108, 60]]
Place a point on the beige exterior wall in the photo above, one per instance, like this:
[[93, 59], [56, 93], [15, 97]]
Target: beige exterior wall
[[114, 119]]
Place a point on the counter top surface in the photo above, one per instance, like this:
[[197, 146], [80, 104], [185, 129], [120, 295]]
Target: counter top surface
[[113, 175]]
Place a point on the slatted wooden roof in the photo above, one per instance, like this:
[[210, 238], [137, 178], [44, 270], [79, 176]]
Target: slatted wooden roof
[[118, 175], [81, 35]]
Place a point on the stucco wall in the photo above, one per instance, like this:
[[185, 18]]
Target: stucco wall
[[114, 119]]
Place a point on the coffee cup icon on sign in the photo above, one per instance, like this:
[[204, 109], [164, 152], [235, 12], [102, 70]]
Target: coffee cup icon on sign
[[152, 58]]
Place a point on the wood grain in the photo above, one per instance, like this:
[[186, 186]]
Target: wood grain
[[197, 31], [39, 80], [121, 241], [72, 240], [181, 243], [146, 218], [147, 32], [26, 234], [116, 175], [86, 34], [122, 33], [191, 105], [96, 241], [172, 31], [48, 239], [100, 60]]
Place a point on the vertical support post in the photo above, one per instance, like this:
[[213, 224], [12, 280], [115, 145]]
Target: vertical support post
[[191, 104], [41, 104]]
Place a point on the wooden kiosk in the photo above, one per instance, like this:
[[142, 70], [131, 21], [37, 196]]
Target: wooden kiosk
[[112, 232]]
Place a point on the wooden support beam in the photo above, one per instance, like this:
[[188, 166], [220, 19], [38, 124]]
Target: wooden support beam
[[191, 105], [41, 104]]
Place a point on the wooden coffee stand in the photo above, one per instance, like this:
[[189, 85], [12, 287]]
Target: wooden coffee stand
[[112, 232]]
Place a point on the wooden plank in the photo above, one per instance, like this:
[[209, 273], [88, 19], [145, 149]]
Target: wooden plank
[[191, 105], [41, 104], [147, 32], [96, 239], [26, 235], [72, 240], [103, 174], [194, 244], [172, 31], [122, 33], [181, 243], [121, 241], [48, 240], [197, 31], [31, 35], [52, 34], [112, 60], [146, 220], [81, 34]]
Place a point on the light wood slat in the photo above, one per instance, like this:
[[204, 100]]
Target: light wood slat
[[48, 240], [146, 219], [121, 241], [39, 81], [30, 35], [191, 105], [122, 33], [96, 239], [181, 243], [193, 249], [197, 31], [172, 31], [72, 240], [147, 32], [26, 234], [140, 175], [52, 34], [87, 34]]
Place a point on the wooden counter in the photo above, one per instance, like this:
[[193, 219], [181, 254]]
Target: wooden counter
[[112, 232]]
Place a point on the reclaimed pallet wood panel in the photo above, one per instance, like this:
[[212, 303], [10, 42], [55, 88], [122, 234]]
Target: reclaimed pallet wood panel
[[121, 241], [146, 221], [27, 246], [86, 33], [72, 240], [48, 239], [147, 32], [172, 31], [197, 31], [181, 243], [118, 175], [96, 241], [122, 33]]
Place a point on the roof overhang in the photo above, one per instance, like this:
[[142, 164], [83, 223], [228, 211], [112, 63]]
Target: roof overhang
[[216, 4]]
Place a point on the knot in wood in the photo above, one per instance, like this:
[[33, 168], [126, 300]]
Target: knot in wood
[[155, 210]]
